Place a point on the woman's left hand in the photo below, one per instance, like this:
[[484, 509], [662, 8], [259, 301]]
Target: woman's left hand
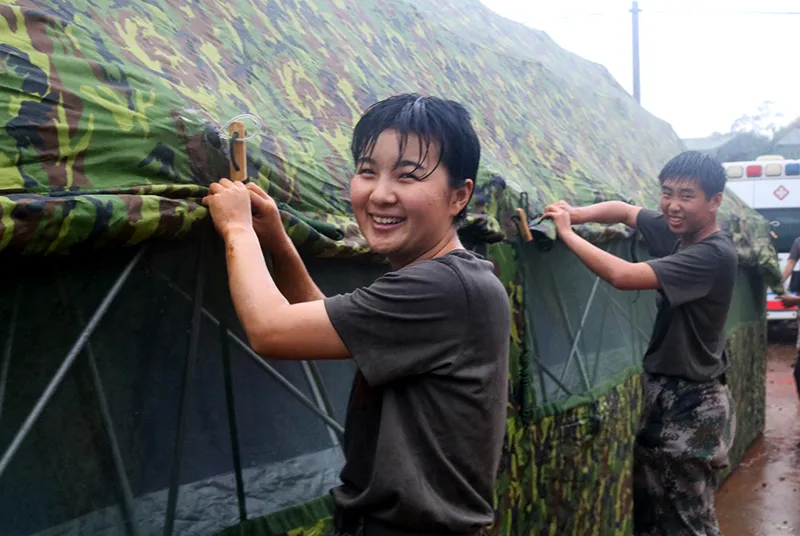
[[229, 205]]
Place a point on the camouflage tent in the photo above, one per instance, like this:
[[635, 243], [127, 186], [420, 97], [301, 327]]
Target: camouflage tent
[[128, 401]]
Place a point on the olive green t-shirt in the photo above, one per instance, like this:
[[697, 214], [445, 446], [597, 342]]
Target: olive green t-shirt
[[688, 338], [426, 417]]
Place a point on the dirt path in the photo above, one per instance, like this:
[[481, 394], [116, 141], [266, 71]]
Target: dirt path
[[762, 498]]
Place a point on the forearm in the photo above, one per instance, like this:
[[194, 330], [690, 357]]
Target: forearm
[[291, 275], [600, 262], [255, 296], [787, 270], [608, 212], [620, 273]]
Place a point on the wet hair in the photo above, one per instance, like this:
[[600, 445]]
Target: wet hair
[[697, 166], [445, 123]]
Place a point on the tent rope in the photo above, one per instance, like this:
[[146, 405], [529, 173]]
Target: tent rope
[[525, 364]]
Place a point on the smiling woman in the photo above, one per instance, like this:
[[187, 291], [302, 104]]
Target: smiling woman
[[431, 376], [415, 174]]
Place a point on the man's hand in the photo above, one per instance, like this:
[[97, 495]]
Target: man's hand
[[608, 212], [266, 217], [790, 300], [560, 216], [229, 205]]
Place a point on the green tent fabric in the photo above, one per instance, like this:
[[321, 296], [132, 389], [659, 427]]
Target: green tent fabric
[[148, 82], [114, 115]]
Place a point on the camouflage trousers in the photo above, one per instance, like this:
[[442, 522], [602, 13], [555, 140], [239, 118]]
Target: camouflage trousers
[[686, 432], [344, 525]]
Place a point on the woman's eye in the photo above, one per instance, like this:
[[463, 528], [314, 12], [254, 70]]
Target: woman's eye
[[366, 171], [409, 176]]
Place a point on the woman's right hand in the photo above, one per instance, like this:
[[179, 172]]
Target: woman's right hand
[[266, 217]]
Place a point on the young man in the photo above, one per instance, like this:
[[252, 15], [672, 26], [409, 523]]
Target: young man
[[426, 417], [791, 300], [688, 423]]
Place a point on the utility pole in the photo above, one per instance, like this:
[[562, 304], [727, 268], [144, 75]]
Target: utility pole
[[637, 92]]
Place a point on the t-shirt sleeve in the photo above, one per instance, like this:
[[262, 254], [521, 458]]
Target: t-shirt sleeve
[[794, 253], [655, 230], [408, 322], [690, 273]]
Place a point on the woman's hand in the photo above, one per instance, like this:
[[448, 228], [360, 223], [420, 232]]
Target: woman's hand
[[229, 205], [561, 218]]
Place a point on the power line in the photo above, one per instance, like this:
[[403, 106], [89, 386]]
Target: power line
[[722, 12], [584, 15], [687, 12]]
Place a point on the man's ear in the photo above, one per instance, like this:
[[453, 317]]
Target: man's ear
[[716, 201], [461, 197]]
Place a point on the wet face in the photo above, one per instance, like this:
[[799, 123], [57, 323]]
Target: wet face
[[686, 208], [405, 207]]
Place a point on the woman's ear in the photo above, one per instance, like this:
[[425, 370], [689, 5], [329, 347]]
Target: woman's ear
[[460, 197]]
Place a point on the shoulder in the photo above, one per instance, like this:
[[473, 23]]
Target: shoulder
[[434, 283], [724, 247], [659, 238], [474, 272], [442, 275], [716, 250], [650, 217]]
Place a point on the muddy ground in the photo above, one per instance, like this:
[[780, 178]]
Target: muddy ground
[[762, 497]]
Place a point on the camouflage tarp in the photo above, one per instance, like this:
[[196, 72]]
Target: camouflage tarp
[[112, 111]]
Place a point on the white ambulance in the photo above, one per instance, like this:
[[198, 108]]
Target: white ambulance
[[771, 185]]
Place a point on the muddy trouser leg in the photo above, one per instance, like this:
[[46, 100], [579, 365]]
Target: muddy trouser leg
[[687, 429], [797, 374]]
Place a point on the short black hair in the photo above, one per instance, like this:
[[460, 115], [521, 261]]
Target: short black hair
[[433, 120], [703, 168]]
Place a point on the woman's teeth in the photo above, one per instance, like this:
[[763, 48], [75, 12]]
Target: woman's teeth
[[386, 221]]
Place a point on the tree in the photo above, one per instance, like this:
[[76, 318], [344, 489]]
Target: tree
[[745, 146], [764, 121], [783, 131]]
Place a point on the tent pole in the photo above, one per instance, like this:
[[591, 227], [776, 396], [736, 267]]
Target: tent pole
[[108, 424], [232, 426], [119, 465], [600, 341], [298, 394], [564, 315], [626, 315], [323, 391], [552, 376], [316, 391], [68, 361], [12, 329], [277, 376], [574, 349], [186, 388]]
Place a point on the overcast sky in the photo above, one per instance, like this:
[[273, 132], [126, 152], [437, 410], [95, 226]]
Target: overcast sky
[[704, 63]]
